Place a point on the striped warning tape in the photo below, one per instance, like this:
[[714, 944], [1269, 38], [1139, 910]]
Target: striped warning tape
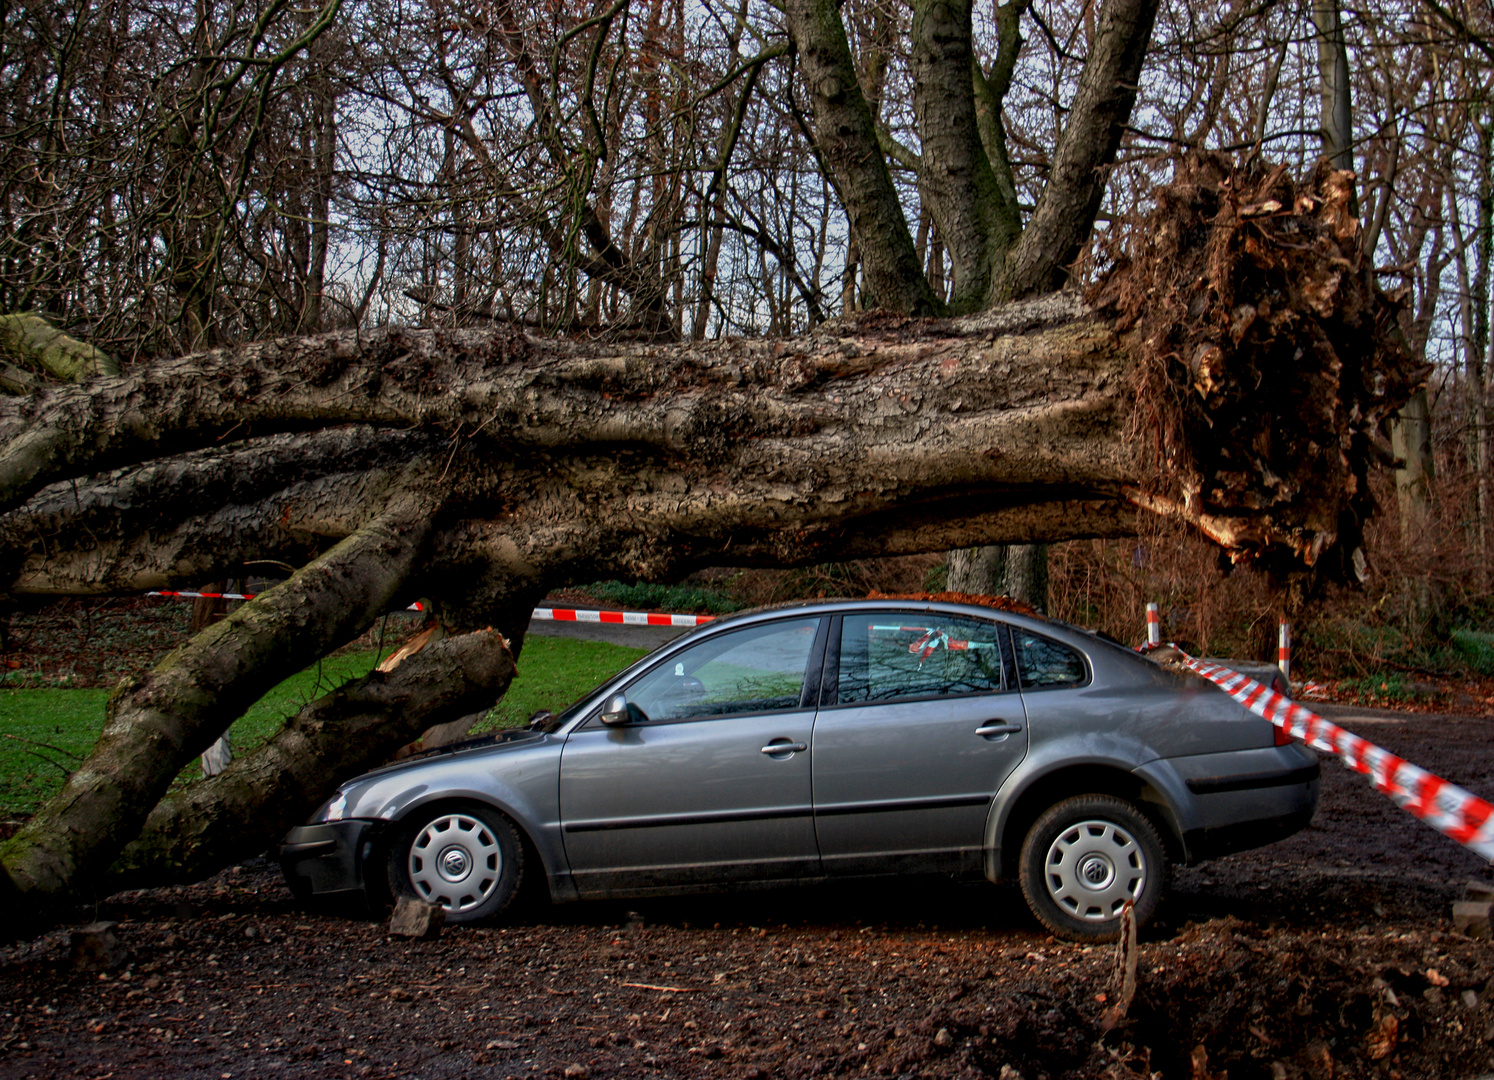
[[1446, 807], [626, 618], [207, 595]]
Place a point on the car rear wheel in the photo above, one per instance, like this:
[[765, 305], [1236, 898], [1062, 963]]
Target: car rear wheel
[[468, 860], [1084, 859]]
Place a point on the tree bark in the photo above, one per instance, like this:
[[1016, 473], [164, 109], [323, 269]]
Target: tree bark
[[847, 139], [865, 436], [1066, 211], [1333, 83], [1411, 436], [956, 180], [978, 571], [32, 342], [1016, 570]]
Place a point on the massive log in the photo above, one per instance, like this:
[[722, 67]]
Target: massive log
[[1234, 369], [253, 802]]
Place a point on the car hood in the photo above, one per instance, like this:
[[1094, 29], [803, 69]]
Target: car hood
[[505, 738], [465, 769]]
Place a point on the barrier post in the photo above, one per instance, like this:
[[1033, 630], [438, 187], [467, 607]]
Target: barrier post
[[1284, 651], [1153, 625]]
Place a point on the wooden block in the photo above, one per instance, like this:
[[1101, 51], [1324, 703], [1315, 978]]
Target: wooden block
[[1472, 917], [416, 919], [96, 947]]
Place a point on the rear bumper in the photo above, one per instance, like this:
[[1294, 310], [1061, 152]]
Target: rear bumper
[[1237, 800], [1212, 842], [328, 859]]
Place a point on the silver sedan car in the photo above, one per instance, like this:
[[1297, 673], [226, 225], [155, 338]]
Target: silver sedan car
[[833, 740]]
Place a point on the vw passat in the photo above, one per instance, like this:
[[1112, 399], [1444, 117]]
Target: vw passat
[[832, 740]]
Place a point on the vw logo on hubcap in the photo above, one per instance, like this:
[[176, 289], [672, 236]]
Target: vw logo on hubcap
[[454, 863], [1095, 871]]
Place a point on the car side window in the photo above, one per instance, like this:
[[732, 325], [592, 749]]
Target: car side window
[[1042, 662], [890, 655], [756, 669]]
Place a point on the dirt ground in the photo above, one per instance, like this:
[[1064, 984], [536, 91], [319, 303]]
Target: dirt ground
[[1331, 954]]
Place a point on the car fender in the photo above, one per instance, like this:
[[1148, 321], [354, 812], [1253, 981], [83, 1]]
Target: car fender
[[522, 784], [1107, 762]]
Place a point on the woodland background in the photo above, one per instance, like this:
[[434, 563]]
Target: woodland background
[[178, 176]]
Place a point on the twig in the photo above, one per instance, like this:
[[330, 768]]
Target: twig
[[665, 989], [1386, 662], [1126, 957], [48, 746]]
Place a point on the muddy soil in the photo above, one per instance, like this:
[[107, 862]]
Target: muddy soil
[[1331, 954]]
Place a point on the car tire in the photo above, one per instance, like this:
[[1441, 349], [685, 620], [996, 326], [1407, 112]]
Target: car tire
[[1084, 858], [468, 859]]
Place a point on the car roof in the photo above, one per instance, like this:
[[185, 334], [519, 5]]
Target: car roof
[[920, 602]]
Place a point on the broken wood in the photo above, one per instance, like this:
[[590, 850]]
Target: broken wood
[[1127, 958]]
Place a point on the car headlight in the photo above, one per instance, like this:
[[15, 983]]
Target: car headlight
[[334, 808]]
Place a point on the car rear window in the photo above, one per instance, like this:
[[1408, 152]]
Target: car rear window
[[1043, 662], [886, 656]]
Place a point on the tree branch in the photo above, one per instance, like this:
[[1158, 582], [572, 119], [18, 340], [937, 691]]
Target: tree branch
[[1065, 213], [159, 723]]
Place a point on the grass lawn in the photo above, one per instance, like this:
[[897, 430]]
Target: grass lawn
[[46, 733]]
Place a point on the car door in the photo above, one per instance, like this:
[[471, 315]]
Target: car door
[[920, 726], [712, 783]]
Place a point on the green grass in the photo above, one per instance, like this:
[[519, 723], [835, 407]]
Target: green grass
[[554, 673], [46, 733], [1476, 649], [43, 736], [1392, 686]]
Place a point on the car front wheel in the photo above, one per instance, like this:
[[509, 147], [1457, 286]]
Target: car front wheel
[[468, 860], [1084, 859]]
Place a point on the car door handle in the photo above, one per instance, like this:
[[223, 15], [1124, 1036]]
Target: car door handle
[[996, 727], [784, 747]]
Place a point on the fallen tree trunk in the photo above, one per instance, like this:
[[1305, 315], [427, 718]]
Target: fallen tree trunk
[[33, 344], [1234, 371], [257, 798], [157, 724]]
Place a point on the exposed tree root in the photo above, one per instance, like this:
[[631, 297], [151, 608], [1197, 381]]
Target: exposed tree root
[[1266, 360]]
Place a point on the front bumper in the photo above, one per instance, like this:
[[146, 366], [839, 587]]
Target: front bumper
[[329, 859]]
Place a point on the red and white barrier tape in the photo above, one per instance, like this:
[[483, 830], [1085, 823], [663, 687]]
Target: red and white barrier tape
[[625, 618], [207, 595], [1446, 807]]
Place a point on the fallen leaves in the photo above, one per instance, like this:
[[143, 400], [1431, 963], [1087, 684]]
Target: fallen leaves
[[1381, 1041]]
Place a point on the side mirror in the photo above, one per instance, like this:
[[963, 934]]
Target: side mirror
[[617, 711]]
